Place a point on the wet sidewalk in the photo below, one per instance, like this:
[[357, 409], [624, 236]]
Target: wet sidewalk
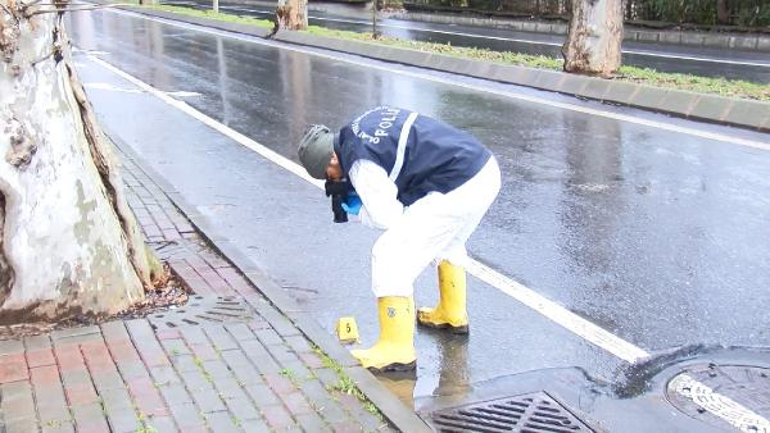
[[227, 361]]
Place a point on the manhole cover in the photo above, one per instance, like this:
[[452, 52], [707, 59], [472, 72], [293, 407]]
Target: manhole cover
[[528, 413], [201, 310], [736, 394]]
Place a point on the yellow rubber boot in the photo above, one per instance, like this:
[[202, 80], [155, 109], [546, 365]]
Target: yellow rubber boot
[[450, 312], [394, 351]]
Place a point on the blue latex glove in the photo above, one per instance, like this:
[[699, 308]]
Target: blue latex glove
[[352, 204]]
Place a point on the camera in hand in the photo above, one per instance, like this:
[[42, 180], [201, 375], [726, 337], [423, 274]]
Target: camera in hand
[[338, 191]]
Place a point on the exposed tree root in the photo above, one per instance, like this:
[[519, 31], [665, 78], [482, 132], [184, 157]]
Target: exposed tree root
[[289, 15], [141, 258], [6, 271], [98, 263]]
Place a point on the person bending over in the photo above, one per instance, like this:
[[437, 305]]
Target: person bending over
[[427, 185]]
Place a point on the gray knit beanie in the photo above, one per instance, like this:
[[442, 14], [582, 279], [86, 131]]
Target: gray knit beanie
[[315, 150]]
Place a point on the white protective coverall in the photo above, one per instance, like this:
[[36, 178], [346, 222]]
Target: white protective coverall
[[435, 227]]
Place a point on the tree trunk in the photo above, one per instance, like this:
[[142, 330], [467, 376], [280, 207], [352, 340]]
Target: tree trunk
[[69, 244], [595, 35], [291, 15], [723, 12]]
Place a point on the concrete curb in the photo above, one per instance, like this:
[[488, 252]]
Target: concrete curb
[[748, 114], [400, 416], [741, 41]]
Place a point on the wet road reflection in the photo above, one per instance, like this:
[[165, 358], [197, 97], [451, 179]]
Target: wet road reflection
[[654, 235]]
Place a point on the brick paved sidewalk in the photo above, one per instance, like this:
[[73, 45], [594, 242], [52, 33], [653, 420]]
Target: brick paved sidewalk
[[254, 373]]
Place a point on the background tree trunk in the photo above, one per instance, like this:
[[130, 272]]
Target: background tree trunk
[[69, 244], [291, 15], [723, 12], [595, 35]]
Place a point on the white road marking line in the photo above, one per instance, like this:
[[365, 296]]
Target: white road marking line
[[183, 94], [567, 319], [507, 39], [109, 87], [556, 313], [697, 59], [94, 52], [534, 99], [268, 154]]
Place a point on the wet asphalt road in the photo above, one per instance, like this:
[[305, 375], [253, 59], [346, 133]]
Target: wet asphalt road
[[704, 61], [657, 236]]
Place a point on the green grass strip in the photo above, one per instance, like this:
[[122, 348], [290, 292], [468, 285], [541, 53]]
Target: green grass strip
[[693, 83], [208, 13], [346, 385]]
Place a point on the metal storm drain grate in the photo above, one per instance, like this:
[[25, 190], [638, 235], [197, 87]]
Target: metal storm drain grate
[[201, 310], [715, 394], [528, 413]]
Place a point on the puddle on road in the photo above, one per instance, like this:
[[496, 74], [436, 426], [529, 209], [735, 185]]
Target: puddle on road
[[636, 400]]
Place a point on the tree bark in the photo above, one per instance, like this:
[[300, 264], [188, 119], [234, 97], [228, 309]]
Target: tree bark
[[723, 12], [291, 15], [69, 243], [595, 34]]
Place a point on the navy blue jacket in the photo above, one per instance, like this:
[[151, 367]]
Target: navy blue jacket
[[420, 154]]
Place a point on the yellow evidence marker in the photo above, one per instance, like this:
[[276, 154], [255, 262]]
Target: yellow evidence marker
[[347, 330]]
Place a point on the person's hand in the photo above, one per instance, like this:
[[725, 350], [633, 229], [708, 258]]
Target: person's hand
[[352, 204]]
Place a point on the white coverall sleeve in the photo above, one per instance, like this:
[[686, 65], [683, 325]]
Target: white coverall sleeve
[[378, 193]]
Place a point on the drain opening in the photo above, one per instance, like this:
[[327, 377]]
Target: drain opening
[[709, 393], [205, 309], [529, 413]]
